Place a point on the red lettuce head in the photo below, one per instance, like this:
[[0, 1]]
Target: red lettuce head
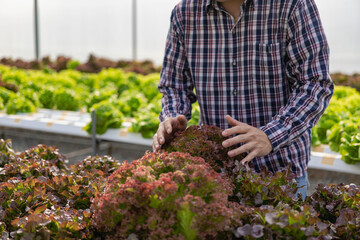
[[206, 142], [163, 196]]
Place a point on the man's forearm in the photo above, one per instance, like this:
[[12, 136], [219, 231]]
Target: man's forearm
[[305, 107]]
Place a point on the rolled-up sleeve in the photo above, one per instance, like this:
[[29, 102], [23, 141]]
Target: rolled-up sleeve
[[175, 80], [307, 72]]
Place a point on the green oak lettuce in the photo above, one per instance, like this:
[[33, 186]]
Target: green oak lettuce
[[19, 104], [107, 116], [339, 127]]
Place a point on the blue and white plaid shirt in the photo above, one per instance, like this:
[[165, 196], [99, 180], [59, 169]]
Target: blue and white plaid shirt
[[268, 69]]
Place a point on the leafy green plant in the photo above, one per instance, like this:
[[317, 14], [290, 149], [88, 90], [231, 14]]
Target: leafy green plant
[[31, 95], [146, 121], [343, 106], [72, 90], [146, 124], [6, 94], [73, 64], [340, 125], [107, 116], [350, 147], [130, 102], [19, 104], [100, 95], [14, 76], [66, 99], [1, 104], [149, 86], [195, 114], [47, 97]]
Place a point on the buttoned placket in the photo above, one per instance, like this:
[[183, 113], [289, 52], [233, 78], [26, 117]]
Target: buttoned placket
[[234, 62], [234, 38]]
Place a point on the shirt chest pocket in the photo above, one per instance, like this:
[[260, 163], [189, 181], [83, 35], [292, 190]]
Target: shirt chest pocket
[[267, 64]]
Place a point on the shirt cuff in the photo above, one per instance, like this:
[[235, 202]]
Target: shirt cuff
[[162, 117], [277, 134]]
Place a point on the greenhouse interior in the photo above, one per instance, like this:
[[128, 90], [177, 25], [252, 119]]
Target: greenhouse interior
[[112, 119]]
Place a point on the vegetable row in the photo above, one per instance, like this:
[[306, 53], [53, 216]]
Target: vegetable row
[[96, 64], [116, 96], [339, 126], [165, 195], [93, 65]]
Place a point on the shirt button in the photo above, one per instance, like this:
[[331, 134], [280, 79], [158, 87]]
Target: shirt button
[[234, 62], [233, 31], [235, 92]]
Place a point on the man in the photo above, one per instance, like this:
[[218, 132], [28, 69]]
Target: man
[[260, 71]]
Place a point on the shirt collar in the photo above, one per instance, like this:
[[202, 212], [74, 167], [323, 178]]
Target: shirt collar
[[212, 4]]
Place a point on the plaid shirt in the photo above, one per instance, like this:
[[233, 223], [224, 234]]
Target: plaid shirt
[[268, 69]]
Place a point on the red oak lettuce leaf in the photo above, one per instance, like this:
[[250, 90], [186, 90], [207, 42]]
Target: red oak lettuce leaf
[[206, 142], [163, 196]]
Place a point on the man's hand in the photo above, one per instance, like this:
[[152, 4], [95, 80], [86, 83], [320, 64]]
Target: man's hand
[[255, 142], [167, 129]]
